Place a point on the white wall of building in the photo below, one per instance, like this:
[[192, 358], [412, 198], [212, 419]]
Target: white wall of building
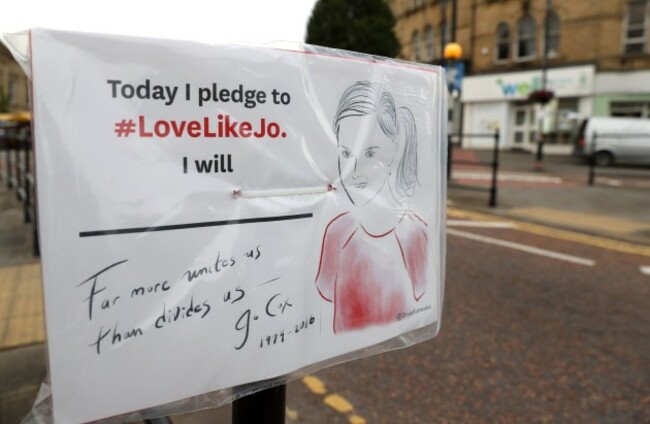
[[484, 118], [637, 82]]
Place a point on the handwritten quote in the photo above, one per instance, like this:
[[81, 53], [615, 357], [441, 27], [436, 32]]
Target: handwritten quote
[[102, 297]]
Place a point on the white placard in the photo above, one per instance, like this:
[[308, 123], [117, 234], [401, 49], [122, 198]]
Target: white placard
[[215, 216]]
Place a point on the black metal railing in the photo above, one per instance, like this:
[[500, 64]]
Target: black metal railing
[[493, 164], [16, 171]]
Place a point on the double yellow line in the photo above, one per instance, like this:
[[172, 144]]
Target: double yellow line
[[333, 400]]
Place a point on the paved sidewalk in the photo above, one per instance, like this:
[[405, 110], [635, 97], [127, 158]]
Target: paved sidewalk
[[21, 307], [22, 332]]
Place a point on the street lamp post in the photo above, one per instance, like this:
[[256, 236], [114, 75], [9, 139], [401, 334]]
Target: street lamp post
[[452, 54], [539, 158]]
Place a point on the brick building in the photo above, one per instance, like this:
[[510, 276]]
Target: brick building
[[14, 96], [598, 60]]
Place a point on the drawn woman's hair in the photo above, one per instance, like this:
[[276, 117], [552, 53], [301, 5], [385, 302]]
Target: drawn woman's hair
[[365, 98]]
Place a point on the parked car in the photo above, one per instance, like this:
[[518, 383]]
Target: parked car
[[617, 140]]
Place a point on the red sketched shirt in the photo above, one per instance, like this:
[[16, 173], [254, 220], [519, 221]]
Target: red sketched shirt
[[371, 278]]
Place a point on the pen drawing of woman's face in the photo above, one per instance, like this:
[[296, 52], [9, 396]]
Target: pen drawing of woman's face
[[366, 155]]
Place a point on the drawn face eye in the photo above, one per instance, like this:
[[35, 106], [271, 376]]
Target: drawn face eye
[[370, 154], [346, 154]]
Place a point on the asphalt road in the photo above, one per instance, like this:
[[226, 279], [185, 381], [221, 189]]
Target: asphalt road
[[525, 338]]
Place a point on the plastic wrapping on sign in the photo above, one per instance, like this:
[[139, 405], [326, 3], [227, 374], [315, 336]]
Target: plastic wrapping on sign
[[216, 220]]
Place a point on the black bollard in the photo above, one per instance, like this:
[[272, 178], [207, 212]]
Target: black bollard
[[592, 161], [495, 171], [539, 157]]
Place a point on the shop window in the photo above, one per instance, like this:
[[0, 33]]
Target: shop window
[[630, 109], [415, 45], [635, 33], [526, 38], [553, 37], [503, 42], [430, 43], [519, 137], [564, 122], [567, 108]]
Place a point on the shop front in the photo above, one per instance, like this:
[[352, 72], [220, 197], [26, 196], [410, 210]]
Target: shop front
[[500, 102]]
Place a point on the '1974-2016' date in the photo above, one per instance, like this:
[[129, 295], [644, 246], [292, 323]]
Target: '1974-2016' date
[[280, 336]]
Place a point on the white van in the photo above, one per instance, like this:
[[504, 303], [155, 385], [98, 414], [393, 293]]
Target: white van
[[618, 140]]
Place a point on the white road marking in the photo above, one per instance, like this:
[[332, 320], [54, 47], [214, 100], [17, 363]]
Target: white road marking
[[527, 178], [524, 248], [645, 270], [609, 182], [480, 224]]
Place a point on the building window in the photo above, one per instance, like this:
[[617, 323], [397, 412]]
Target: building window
[[414, 4], [526, 38], [12, 89], [431, 53], [630, 109], [415, 44], [553, 36], [503, 42], [635, 33]]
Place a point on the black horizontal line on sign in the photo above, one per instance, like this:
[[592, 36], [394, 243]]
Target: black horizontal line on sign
[[194, 225]]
